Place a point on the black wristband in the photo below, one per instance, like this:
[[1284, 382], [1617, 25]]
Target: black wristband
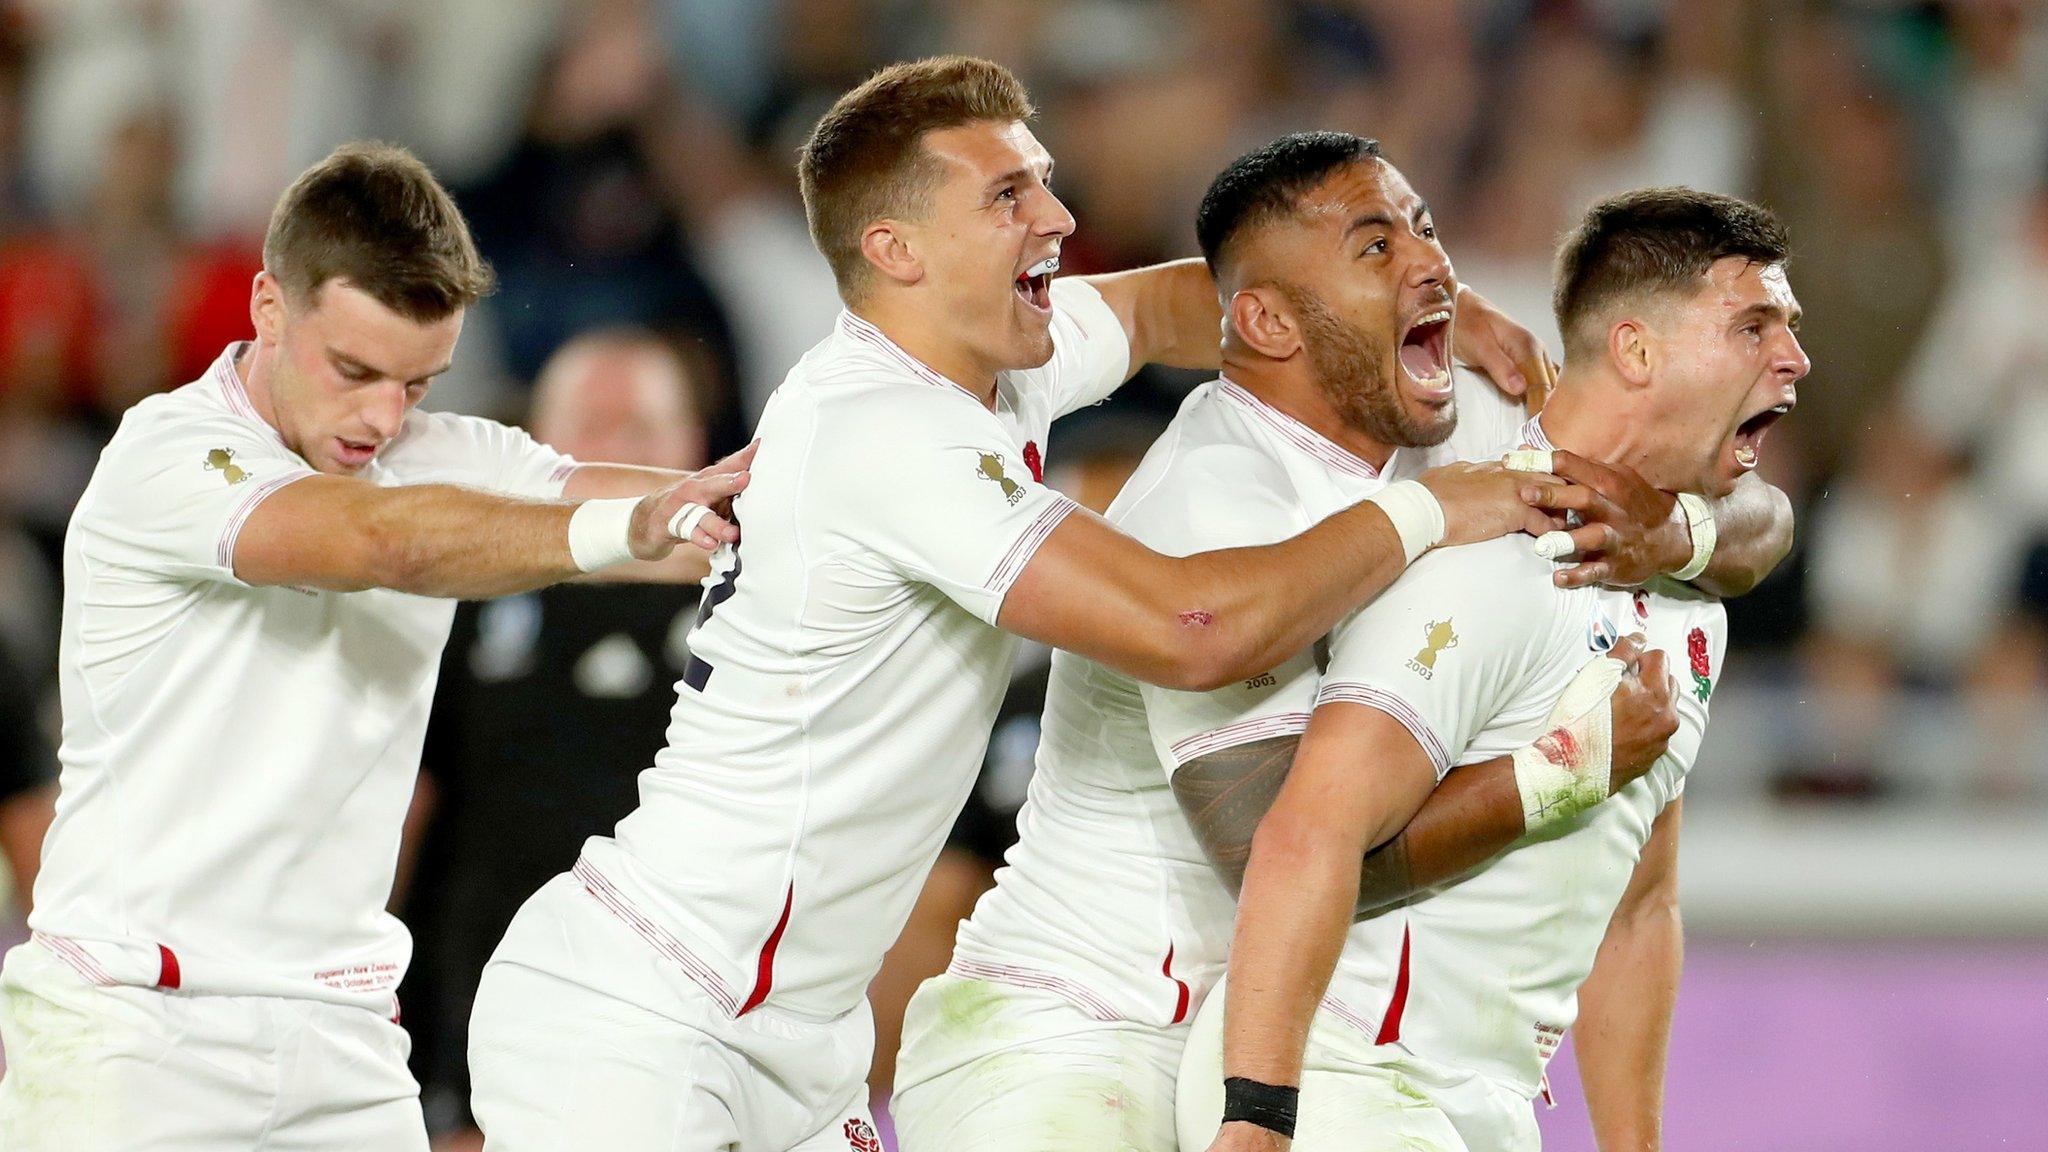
[[1270, 1106]]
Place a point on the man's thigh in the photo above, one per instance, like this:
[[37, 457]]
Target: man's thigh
[[990, 1067], [556, 1065]]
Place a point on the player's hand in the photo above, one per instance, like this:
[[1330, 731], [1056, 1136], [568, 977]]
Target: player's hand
[[1239, 1136], [1510, 355], [713, 489], [1629, 531], [1645, 716], [1482, 501]]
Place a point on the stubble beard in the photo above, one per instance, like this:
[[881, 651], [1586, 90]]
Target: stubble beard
[[1356, 375]]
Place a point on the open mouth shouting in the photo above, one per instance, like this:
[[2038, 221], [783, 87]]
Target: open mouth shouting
[[1749, 435], [1034, 284], [1425, 351]]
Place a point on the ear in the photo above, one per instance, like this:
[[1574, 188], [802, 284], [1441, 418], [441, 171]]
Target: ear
[[887, 246], [267, 308], [1635, 350], [1264, 322]]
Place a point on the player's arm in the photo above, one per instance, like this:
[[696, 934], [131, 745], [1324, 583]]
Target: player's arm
[[1169, 311], [344, 534], [1473, 815], [1512, 357], [1198, 622], [616, 481], [1625, 1005], [1635, 532], [1301, 884]]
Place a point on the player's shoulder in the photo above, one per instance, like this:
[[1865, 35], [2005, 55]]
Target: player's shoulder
[[1506, 567], [174, 424], [427, 433], [1204, 485]]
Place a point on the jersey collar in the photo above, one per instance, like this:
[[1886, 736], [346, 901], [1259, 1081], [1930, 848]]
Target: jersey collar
[[235, 393], [1300, 435]]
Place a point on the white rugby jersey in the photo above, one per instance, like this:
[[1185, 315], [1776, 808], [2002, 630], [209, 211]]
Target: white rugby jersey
[[1107, 898], [237, 761], [1469, 650], [847, 668]]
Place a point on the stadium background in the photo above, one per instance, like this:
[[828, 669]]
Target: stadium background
[[1865, 870]]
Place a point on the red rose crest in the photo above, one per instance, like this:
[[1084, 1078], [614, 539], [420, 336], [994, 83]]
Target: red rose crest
[[860, 1136], [1702, 668], [1033, 461]]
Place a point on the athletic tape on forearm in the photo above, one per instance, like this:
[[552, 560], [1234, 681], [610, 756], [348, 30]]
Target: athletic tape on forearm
[[1417, 517], [1699, 521], [1569, 768], [1270, 1106], [601, 533]]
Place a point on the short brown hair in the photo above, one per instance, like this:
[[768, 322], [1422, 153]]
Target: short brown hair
[[373, 215], [865, 160], [1651, 241]]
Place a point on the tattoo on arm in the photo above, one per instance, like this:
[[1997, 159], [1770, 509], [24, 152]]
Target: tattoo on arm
[[1469, 818], [1387, 878], [1225, 795]]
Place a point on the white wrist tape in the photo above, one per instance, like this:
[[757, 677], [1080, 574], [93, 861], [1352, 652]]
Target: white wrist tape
[[1417, 517], [1699, 521], [601, 533], [1568, 769], [683, 525]]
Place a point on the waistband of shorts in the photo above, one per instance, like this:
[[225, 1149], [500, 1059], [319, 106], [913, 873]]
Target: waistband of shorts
[[110, 962]]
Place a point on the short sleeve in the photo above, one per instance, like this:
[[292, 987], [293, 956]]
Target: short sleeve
[[1445, 649], [1208, 498], [1091, 352], [928, 482], [170, 496], [444, 447]]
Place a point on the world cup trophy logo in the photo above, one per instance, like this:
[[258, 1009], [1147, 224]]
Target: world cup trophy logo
[[222, 460], [1438, 638], [992, 469]]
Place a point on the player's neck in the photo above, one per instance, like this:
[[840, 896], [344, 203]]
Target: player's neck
[[1296, 393], [254, 368], [1602, 420], [928, 340]]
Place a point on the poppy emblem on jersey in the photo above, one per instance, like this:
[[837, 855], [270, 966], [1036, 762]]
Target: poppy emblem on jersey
[[992, 469], [222, 460], [1034, 461], [1438, 637], [1702, 669], [860, 1136]]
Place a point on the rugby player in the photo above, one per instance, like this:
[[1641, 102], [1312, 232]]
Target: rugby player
[[1681, 351], [697, 980], [1061, 1020], [257, 585]]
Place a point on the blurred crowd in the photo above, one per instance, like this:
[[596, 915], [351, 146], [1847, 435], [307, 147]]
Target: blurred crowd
[[628, 167]]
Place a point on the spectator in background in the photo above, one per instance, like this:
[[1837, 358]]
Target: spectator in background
[[549, 705], [1913, 566], [577, 219], [1844, 160]]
